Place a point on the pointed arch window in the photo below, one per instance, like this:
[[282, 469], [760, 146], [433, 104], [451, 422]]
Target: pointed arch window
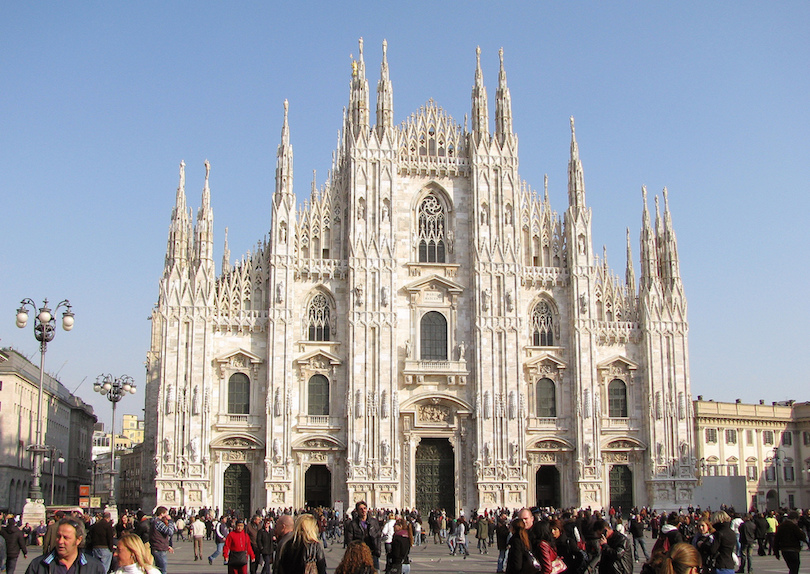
[[239, 394], [318, 395], [432, 229], [546, 398], [318, 319], [433, 337], [542, 325], [617, 399]]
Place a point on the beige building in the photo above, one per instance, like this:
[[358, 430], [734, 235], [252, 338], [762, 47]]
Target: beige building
[[68, 428], [769, 444], [424, 331], [133, 428]]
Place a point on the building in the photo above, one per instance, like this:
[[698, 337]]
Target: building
[[130, 479], [425, 331], [133, 428], [68, 429], [769, 444], [125, 443]]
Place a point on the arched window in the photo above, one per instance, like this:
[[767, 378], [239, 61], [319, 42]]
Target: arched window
[[617, 399], [546, 398], [318, 319], [542, 325], [433, 339], [432, 229], [318, 395], [239, 394]]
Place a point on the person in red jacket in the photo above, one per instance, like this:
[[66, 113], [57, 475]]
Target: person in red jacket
[[238, 549]]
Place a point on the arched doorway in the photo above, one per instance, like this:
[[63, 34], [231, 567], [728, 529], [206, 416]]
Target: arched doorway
[[435, 476], [548, 486], [318, 486], [621, 488], [770, 500], [236, 490]]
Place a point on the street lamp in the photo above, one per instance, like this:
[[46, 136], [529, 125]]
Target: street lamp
[[114, 389], [44, 332], [776, 459], [54, 459]]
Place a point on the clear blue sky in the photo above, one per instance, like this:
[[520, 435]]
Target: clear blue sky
[[99, 102]]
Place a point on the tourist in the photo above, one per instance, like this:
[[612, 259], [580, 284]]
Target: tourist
[[162, 529], [220, 534], [520, 559], [304, 548], [399, 560], [788, 541], [724, 545], [238, 550], [748, 536], [197, 527], [264, 540], [365, 528], [615, 554], [65, 556], [283, 534], [680, 559], [356, 560], [133, 557], [101, 538], [15, 544]]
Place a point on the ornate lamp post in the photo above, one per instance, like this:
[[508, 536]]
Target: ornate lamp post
[[114, 389], [55, 455], [44, 332]]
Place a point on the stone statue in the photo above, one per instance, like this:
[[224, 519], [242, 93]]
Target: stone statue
[[510, 302], [358, 296], [487, 454], [277, 402], [277, 450], [384, 296], [194, 448], [280, 292], [195, 401], [462, 351], [169, 399], [486, 296], [408, 349], [385, 449]]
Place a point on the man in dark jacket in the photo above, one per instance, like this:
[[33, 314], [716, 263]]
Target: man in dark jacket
[[15, 544], [366, 529], [101, 538], [761, 533], [253, 531], [748, 535], [724, 545], [142, 527], [502, 538], [788, 541], [637, 531], [616, 557], [65, 557]]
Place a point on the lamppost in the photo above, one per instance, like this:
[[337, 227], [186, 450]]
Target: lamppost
[[44, 332], [54, 459], [114, 388], [776, 459]]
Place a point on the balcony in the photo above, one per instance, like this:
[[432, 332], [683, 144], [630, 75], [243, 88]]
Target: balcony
[[546, 423], [318, 422], [432, 372], [241, 421]]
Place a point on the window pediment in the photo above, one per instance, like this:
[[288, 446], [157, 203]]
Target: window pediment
[[319, 360], [239, 358], [619, 364], [545, 360], [434, 283]]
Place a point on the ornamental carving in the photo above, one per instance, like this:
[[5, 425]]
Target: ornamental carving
[[548, 445], [434, 414], [317, 443], [621, 444], [234, 456], [237, 442], [616, 457]]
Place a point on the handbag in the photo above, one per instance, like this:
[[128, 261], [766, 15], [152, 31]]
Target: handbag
[[557, 566], [238, 558], [535, 563]]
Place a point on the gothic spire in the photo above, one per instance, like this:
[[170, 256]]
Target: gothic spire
[[546, 202], [226, 256], [669, 247], [630, 274], [180, 226], [358, 105], [503, 105], [385, 97], [649, 249], [576, 178], [204, 229], [480, 115], [284, 159]]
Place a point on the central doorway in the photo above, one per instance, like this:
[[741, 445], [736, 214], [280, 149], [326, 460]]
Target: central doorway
[[548, 486], [621, 488], [236, 490], [318, 486], [435, 476]]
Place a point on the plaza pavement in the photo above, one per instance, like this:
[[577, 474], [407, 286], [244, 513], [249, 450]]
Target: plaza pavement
[[429, 558]]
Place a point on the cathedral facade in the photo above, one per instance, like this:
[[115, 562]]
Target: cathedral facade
[[424, 331]]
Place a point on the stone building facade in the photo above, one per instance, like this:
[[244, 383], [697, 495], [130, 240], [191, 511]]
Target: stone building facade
[[769, 444], [68, 428], [425, 330]]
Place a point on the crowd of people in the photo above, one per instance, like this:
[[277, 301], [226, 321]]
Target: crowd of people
[[284, 541]]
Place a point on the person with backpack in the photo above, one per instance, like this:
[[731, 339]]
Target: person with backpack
[[221, 532]]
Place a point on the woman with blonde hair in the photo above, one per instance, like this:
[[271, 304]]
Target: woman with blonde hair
[[303, 554], [133, 557], [683, 558]]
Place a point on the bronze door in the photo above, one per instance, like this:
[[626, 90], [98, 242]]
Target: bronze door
[[621, 488], [237, 490], [548, 486], [318, 486], [435, 476]]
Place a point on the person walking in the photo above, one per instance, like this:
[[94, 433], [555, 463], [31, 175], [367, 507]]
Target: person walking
[[15, 544], [482, 534], [519, 560], [101, 538], [399, 561], [788, 540], [502, 539], [197, 527], [637, 532], [264, 540], [748, 535], [283, 533], [220, 534], [238, 550], [367, 529], [724, 545]]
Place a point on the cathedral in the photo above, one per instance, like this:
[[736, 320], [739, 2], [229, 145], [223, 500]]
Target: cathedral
[[424, 331]]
